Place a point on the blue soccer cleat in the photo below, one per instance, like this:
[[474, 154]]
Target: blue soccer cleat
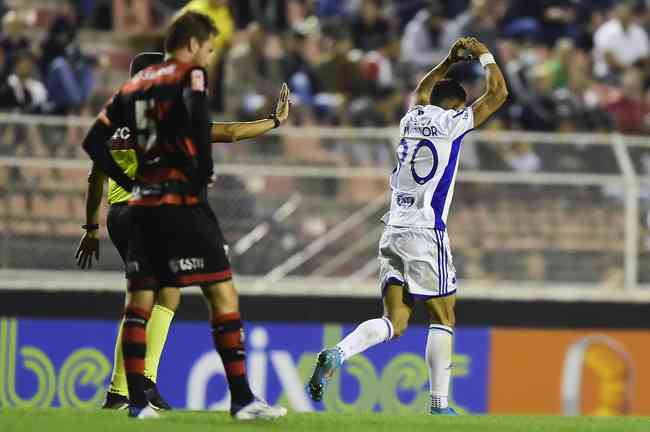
[[449, 411], [329, 361]]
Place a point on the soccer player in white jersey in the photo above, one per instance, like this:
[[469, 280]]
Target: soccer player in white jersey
[[414, 252]]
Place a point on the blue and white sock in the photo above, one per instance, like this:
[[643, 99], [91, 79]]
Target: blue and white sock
[[367, 334], [438, 356]]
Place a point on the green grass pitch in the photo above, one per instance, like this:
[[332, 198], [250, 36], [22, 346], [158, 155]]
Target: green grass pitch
[[69, 420]]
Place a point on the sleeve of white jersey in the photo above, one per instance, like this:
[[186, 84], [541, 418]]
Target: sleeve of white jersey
[[461, 122]]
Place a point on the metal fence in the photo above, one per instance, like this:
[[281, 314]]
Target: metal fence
[[533, 212]]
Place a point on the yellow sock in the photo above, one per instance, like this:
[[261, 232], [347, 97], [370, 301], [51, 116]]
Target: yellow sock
[[157, 329], [118, 379]]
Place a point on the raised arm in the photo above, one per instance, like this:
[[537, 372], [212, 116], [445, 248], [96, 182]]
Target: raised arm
[[235, 131], [496, 91], [422, 92]]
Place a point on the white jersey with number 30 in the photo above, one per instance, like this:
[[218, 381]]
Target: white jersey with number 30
[[427, 155]]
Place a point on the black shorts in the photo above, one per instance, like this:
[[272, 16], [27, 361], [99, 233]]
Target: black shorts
[[118, 223], [175, 246]]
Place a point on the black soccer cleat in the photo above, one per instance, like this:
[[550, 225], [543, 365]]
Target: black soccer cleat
[[115, 401], [154, 397]]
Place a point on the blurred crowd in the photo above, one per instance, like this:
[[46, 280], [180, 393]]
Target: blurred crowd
[[571, 65], [46, 76]]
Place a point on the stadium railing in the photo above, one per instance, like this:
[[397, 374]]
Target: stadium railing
[[535, 215]]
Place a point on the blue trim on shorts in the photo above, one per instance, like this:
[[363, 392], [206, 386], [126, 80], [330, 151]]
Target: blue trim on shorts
[[439, 262], [391, 281], [445, 267], [425, 297], [443, 276], [445, 260]]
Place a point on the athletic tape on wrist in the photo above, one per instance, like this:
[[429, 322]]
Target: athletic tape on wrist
[[486, 59]]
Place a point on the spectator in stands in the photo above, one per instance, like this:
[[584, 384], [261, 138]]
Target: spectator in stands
[[339, 71], [619, 43], [630, 110], [12, 39], [370, 30], [479, 20], [299, 73], [520, 157], [555, 18], [22, 92], [557, 66], [422, 43], [331, 8], [253, 72], [271, 14], [68, 73], [531, 92], [132, 16]]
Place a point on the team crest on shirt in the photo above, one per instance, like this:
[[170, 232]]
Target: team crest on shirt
[[405, 200], [198, 80]]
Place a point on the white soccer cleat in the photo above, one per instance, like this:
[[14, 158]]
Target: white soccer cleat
[[260, 410], [148, 412]]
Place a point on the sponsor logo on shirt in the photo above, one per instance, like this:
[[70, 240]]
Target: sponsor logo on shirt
[[122, 133], [426, 131], [132, 267], [198, 80]]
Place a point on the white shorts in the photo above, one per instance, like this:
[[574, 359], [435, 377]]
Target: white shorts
[[417, 258]]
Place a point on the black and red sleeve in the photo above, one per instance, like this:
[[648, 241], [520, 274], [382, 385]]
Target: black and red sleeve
[[195, 98], [96, 141]]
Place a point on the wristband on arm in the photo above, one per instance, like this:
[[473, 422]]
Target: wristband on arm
[[486, 59], [276, 122]]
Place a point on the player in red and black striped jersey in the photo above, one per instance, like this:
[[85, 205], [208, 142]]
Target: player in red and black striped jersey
[[175, 239], [118, 223]]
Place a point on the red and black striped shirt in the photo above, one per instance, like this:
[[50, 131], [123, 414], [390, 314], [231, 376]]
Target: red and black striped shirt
[[165, 108]]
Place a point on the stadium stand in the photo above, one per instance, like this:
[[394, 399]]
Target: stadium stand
[[349, 64]]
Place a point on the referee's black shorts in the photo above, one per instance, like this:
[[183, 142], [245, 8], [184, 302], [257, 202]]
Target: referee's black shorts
[[175, 246], [118, 223]]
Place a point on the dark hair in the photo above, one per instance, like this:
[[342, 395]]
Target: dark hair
[[447, 89], [144, 60], [187, 26]]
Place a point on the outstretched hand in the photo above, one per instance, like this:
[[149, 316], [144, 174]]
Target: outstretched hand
[[282, 107], [88, 247]]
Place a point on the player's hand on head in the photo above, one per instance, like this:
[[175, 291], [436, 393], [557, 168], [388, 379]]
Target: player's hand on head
[[476, 47], [88, 247], [282, 107], [458, 51]]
